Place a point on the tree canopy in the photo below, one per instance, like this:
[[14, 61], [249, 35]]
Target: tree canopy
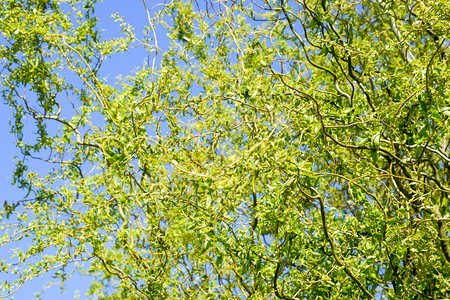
[[290, 149]]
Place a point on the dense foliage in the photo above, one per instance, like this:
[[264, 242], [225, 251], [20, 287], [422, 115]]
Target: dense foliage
[[276, 149]]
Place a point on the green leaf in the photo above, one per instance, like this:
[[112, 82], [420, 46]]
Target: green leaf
[[388, 273], [219, 260], [376, 140], [208, 202], [374, 155], [423, 105], [324, 51]]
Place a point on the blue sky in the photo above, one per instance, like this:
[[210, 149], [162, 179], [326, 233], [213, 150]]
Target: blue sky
[[134, 13]]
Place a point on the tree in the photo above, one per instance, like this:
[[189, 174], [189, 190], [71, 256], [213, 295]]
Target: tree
[[277, 149]]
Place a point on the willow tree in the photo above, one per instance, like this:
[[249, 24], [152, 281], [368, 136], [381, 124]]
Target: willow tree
[[276, 149]]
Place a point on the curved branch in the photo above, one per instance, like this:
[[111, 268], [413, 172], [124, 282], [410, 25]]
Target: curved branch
[[333, 248], [335, 77], [442, 234], [275, 287]]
